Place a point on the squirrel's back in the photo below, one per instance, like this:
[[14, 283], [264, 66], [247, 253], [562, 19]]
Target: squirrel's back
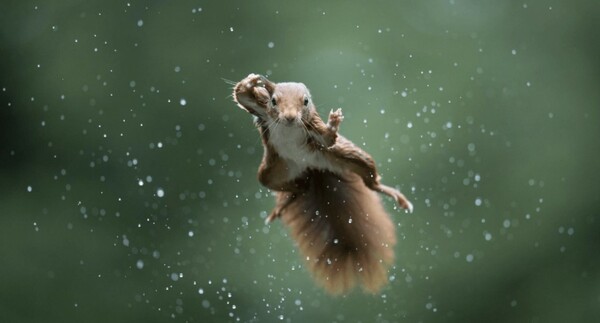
[[342, 231]]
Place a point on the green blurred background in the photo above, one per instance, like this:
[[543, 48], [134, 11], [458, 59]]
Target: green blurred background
[[127, 175]]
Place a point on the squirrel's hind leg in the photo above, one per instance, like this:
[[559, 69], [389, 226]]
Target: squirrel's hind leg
[[361, 163], [395, 194], [282, 201]]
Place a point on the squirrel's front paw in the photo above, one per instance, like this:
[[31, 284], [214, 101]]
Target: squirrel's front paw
[[251, 92], [251, 81], [335, 118]]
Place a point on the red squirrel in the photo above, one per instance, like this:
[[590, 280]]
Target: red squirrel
[[325, 186]]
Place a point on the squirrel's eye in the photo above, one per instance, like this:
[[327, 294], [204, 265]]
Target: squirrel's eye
[[305, 101], [273, 101]]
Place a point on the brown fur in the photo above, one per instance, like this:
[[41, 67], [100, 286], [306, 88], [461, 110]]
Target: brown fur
[[335, 217], [342, 231]]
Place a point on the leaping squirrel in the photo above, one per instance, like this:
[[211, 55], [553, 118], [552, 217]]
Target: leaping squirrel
[[325, 186]]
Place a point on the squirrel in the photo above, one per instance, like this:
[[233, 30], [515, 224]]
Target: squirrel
[[325, 186]]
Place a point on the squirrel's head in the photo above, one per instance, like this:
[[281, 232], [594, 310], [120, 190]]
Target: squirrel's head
[[290, 103]]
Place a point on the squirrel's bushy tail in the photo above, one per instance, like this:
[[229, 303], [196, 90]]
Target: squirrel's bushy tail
[[342, 231]]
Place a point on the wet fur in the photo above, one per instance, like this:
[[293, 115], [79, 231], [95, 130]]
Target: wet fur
[[322, 181], [342, 231]]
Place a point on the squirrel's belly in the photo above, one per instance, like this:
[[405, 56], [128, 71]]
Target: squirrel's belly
[[291, 145], [308, 161], [303, 158]]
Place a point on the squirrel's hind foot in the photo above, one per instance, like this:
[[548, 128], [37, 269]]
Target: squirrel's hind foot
[[397, 196]]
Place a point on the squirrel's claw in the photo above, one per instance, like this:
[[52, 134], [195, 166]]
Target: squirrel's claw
[[274, 215], [409, 207], [335, 118], [404, 202]]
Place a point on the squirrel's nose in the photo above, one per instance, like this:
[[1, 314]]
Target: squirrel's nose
[[289, 118]]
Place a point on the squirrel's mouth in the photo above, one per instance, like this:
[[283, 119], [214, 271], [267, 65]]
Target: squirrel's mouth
[[289, 122]]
